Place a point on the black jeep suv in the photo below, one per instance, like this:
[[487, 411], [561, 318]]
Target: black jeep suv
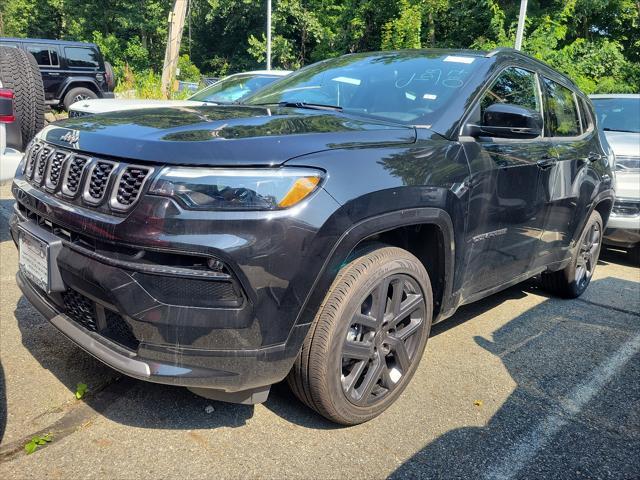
[[316, 231], [71, 71]]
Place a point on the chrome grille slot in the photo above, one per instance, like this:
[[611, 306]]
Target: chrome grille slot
[[129, 186], [33, 154], [55, 169], [97, 181], [73, 175], [41, 165]]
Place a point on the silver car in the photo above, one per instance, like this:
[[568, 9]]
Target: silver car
[[619, 119]]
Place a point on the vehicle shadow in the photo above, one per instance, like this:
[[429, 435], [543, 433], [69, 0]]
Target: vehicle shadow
[[617, 256], [546, 428]]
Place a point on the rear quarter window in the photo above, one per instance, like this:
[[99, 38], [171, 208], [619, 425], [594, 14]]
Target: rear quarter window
[[562, 111], [82, 57]]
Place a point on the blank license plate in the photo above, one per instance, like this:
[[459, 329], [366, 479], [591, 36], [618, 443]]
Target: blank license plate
[[34, 261]]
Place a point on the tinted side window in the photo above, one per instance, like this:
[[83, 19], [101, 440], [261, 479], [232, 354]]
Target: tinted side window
[[585, 116], [562, 112], [515, 86], [81, 57], [44, 56]]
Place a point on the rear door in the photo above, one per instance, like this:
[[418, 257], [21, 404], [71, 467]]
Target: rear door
[[48, 58], [567, 182]]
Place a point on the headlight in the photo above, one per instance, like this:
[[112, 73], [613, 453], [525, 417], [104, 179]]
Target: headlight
[[237, 189]]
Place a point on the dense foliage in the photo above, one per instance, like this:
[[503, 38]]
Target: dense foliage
[[596, 42]]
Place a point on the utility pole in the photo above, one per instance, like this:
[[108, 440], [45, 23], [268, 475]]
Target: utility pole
[[268, 34], [521, 19], [172, 52]]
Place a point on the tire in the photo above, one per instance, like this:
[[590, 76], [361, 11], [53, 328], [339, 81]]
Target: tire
[[575, 278], [77, 94], [19, 71], [326, 377], [634, 253], [111, 80]]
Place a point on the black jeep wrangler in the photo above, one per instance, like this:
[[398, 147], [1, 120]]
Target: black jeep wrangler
[[71, 71], [317, 231]]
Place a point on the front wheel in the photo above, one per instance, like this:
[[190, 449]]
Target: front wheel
[[367, 339], [575, 278]]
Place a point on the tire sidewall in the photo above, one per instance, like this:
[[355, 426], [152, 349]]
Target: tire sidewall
[[341, 405], [68, 98], [575, 288]]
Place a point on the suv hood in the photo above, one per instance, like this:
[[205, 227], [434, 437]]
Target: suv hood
[[104, 105], [221, 135]]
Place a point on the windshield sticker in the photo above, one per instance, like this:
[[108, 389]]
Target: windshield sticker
[[349, 80], [457, 59]]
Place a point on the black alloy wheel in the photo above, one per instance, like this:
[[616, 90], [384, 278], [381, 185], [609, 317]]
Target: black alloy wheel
[[382, 340], [368, 337]]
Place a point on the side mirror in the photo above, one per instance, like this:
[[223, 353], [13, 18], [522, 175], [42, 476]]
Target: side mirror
[[505, 120]]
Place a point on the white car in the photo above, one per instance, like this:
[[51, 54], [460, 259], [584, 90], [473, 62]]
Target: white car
[[619, 119], [9, 157], [228, 90]]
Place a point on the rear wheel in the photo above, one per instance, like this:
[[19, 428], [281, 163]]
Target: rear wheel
[[367, 339], [76, 95], [19, 71], [575, 278]]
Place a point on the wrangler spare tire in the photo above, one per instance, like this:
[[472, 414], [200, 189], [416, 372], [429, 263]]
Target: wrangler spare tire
[[19, 71]]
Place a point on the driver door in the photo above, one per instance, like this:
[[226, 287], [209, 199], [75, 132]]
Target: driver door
[[505, 220]]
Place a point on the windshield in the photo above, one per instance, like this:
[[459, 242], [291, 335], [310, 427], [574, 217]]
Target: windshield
[[233, 88], [618, 114], [410, 87]]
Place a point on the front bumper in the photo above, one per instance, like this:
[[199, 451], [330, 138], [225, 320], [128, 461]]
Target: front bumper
[[163, 332], [623, 227]]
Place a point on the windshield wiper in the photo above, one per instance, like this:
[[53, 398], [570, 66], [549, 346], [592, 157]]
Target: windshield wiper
[[310, 106], [607, 129]]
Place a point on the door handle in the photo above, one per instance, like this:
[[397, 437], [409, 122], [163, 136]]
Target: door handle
[[594, 157], [547, 162]]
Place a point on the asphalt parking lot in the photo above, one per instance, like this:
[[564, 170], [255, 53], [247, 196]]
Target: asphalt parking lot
[[519, 385]]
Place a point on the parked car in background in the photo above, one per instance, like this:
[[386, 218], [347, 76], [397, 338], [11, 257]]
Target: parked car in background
[[318, 229], [228, 90], [619, 119], [71, 71], [21, 106]]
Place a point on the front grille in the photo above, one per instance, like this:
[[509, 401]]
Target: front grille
[[98, 180], [74, 175], [627, 208], [119, 331], [41, 165], [32, 155], [84, 312], [55, 169], [130, 185], [80, 309], [83, 179]]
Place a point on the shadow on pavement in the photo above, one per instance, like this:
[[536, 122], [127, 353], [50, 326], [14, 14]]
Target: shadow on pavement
[[616, 256], [551, 353]]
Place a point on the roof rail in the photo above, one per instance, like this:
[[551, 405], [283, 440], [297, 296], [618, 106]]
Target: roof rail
[[495, 51]]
